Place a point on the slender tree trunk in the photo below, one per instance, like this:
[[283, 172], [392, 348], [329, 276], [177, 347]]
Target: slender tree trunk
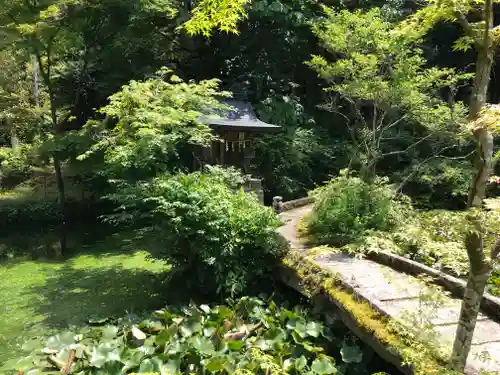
[[484, 139], [480, 268], [60, 185], [479, 274]]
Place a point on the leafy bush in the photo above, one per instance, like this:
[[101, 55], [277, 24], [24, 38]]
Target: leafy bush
[[148, 121], [247, 337], [438, 183], [347, 208], [204, 226], [435, 238], [14, 167], [16, 210]]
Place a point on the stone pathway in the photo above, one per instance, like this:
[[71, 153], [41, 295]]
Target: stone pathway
[[405, 297]]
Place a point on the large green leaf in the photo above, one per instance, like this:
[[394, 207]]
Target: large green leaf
[[203, 345], [351, 353], [190, 327], [31, 345], [300, 363], [103, 353], [61, 340], [138, 334], [151, 365], [314, 329], [214, 364], [323, 365], [109, 332]]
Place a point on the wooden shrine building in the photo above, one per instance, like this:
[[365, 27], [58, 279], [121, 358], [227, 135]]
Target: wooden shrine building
[[235, 127]]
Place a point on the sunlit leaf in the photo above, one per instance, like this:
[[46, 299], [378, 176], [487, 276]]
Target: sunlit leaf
[[323, 365]]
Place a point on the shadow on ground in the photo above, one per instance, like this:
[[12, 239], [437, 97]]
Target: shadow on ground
[[102, 276]]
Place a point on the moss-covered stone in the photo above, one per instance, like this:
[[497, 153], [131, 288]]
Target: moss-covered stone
[[414, 356]]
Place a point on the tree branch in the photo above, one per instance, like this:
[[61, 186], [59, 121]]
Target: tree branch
[[388, 127], [408, 148], [462, 20]]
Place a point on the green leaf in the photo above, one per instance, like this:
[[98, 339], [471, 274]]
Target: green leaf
[[109, 332], [111, 368], [288, 364], [214, 364], [103, 353], [235, 345], [300, 363], [190, 327], [61, 340], [9, 365], [203, 345], [323, 365], [314, 329], [166, 335], [150, 365], [205, 309], [172, 366], [262, 344], [209, 331], [351, 353], [138, 334], [311, 348]]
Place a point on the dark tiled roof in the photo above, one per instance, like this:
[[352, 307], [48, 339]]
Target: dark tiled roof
[[240, 117]]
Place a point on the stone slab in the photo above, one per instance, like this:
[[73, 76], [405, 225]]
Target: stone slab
[[382, 282], [486, 331], [447, 313], [490, 362]]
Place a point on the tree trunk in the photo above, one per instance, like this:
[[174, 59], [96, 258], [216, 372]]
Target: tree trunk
[[479, 270], [62, 204], [60, 185], [484, 139], [478, 277]]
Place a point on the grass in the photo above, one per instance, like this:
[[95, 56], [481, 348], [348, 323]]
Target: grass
[[111, 277]]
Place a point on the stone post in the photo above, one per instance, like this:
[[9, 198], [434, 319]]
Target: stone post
[[277, 204]]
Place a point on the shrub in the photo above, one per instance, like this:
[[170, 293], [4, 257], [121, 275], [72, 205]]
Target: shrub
[[347, 207], [14, 167], [202, 225], [247, 337], [438, 183], [26, 210]]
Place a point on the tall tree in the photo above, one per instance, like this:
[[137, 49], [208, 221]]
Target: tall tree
[[483, 36], [43, 29], [18, 113], [383, 80]]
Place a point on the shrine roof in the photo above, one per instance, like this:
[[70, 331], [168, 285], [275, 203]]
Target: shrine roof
[[240, 117]]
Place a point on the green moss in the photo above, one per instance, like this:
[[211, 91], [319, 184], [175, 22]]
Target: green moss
[[302, 226], [315, 280]]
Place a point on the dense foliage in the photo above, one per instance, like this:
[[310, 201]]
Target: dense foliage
[[219, 236], [91, 120], [248, 336], [383, 80], [150, 121], [347, 208]]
